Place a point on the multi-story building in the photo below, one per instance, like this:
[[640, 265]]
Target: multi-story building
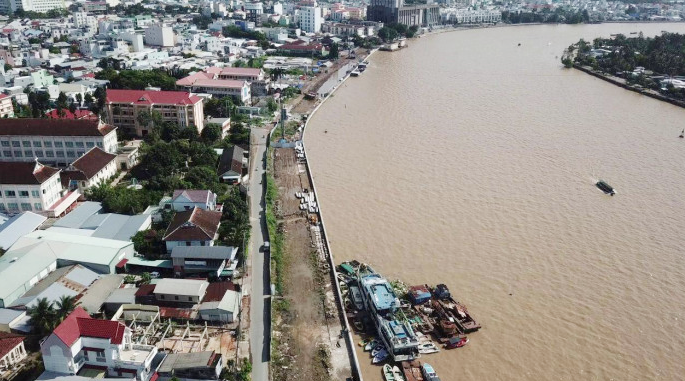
[[237, 73], [389, 11], [253, 12], [91, 169], [28, 187], [310, 18], [56, 142], [36, 5], [81, 342], [186, 199], [83, 20], [159, 35], [6, 106], [124, 106], [206, 261], [239, 90], [340, 29]]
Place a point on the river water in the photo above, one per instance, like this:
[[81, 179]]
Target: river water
[[469, 160]]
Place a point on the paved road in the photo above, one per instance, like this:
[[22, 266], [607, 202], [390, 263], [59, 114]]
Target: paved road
[[260, 304]]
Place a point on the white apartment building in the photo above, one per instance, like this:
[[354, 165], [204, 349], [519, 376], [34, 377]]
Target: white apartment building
[[28, 187], [56, 142], [159, 35], [81, 342], [6, 106], [83, 20], [37, 5], [310, 19]]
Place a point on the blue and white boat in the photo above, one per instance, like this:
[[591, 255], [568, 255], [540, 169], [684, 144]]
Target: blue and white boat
[[429, 373], [383, 306]]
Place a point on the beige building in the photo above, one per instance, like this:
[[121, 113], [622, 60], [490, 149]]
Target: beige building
[[6, 107], [11, 350], [125, 106]]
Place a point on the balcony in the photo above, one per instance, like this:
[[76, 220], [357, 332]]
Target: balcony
[[137, 355], [79, 360]]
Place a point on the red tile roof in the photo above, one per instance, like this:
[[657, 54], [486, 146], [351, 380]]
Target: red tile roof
[[217, 290], [150, 97], [9, 341], [54, 127], [93, 162], [79, 114], [25, 173], [145, 290], [80, 324], [193, 225]]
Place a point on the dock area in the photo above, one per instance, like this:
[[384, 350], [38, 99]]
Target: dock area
[[401, 324]]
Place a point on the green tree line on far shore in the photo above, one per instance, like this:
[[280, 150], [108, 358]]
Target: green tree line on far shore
[[660, 56]]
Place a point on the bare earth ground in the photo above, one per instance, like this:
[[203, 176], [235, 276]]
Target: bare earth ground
[[308, 332]]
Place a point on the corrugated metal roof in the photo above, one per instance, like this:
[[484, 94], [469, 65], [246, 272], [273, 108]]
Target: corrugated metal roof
[[82, 276], [19, 265], [77, 216], [53, 293], [230, 302], [7, 315], [123, 295], [122, 227], [204, 252], [17, 226], [93, 298], [77, 248], [189, 287], [140, 261]]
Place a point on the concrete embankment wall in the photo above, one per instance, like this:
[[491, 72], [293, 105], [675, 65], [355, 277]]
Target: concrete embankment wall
[[354, 361], [616, 82]]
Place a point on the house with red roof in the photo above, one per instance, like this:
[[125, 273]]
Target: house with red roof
[[93, 168], [195, 227], [83, 345], [32, 187], [186, 199], [12, 350], [180, 107]]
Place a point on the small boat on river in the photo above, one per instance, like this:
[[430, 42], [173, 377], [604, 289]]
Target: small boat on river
[[380, 356], [428, 348], [412, 370], [605, 187], [370, 345]]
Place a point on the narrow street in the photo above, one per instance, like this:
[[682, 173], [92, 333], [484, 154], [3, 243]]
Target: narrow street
[[260, 322]]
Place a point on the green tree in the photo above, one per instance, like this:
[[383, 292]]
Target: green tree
[[211, 133], [387, 34], [79, 99], [62, 100], [65, 306], [145, 278], [42, 316], [334, 52]]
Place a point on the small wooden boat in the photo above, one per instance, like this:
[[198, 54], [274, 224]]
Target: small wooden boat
[[456, 342], [370, 345], [388, 375], [605, 187], [412, 370], [380, 356]]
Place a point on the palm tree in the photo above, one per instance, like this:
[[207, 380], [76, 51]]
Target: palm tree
[[42, 316], [64, 306]]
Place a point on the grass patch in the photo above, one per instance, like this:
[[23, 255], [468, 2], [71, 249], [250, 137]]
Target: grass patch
[[275, 231]]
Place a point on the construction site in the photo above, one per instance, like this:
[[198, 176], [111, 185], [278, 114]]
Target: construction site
[[171, 336]]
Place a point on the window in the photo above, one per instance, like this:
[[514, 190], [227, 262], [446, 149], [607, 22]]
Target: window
[[70, 154], [26, 143], [25, 206], [79, 144], [187, 243], [99, 144], [58, 144], [80, 153], [2, 206], [175, 297], [161, 296], [100, 356], [39, 153], [12, 206], [37, 206], [16, 144], [50, 154], [17, 154], [24, 194], [28, 152], [35, 193], [5, 143], [69, 144], [90, 144], [37, 143], [48, 144], [59, 154], [10, 194], [7, 153]]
